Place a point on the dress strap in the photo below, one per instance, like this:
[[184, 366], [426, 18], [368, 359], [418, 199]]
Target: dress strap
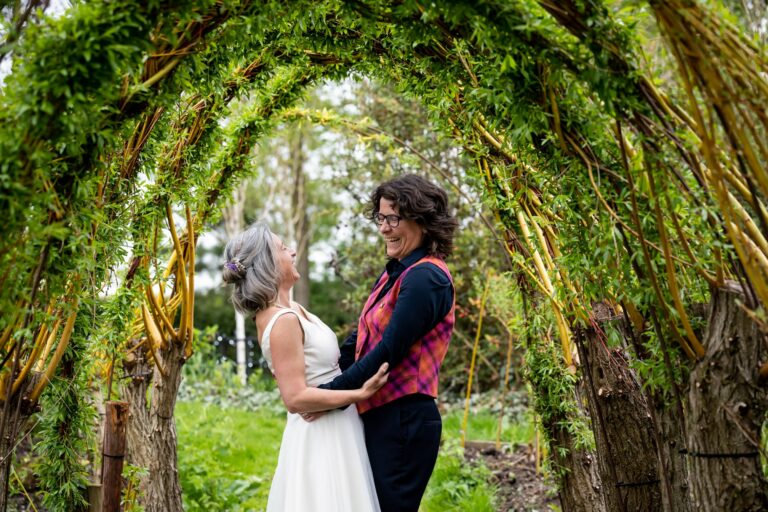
[[271, 323], [265, 344]]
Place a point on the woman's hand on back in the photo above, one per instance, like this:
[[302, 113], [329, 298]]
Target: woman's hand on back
[[373, 384]]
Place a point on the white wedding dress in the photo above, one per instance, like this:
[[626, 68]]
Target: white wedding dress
[[323, 465]]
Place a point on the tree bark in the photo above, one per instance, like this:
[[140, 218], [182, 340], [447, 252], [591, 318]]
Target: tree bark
[[151, 432], [726, 407], [669, 424], [579, 483], [623, 427], [671, 459]]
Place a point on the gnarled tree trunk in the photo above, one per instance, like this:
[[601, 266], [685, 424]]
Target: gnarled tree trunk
[[669, 427], [671, 460], [579, 483], [151, 432], [726, 407], [624, 432]]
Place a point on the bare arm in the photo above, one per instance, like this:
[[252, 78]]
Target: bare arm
[[288, 361]]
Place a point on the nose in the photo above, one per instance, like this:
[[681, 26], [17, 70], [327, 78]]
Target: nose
[[384, 227]]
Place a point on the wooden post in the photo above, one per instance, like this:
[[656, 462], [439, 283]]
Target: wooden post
[[112, 454]]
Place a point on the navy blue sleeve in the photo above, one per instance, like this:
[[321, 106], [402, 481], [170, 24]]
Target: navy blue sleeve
[[426, 296], [347, 349]]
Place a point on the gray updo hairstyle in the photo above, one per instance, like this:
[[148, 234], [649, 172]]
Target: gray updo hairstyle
[[252, 268]]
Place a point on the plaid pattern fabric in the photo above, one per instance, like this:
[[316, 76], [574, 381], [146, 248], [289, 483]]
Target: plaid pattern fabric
[[419, 371]]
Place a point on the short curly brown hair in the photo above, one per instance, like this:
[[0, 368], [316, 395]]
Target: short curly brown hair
[[421, 200]]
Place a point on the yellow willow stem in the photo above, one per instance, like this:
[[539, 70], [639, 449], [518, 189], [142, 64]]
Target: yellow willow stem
[[742, 144], [7, 333], [670, 268], [672, 110], [163, 276], [537, 260], [154, 338], [166, 273], [716, 180], [159, 313], [66, 335], [551, 243], [191, 244], [562, 327], [161, 73], [608, 208], [724, 40], [751, 228], [534, 279], [720, 41], [720, 277], [549, 264], [714, 173], [634, 315], [646, 253], [754, 254], [173, 305], [474, 358], [40, 342], [747, 256], [5, 377], [40, 363], [485, 169], [181, 275], [493, 141]]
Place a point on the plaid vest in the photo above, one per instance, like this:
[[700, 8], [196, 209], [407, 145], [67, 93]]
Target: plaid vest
[[419, 371]]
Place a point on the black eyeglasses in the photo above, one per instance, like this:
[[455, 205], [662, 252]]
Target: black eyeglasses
[[392, 220]]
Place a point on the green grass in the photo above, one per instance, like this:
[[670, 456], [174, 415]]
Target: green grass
[[227, 457]]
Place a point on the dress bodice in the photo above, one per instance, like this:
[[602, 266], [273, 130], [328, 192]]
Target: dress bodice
[[321, 347]]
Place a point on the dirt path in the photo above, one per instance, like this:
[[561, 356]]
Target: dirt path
[[514, 473]]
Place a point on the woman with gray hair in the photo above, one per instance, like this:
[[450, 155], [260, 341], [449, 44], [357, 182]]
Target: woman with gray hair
[[323, 464]]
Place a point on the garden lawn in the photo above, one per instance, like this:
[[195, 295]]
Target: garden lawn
[[227, 457]]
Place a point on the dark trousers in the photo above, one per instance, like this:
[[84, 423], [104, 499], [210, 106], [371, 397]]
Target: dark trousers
[[402, 438]]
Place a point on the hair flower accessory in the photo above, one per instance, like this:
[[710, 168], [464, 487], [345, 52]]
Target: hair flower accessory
[[235, 266]]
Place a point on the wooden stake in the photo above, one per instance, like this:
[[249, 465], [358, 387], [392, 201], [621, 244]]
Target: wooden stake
[[113, 453]]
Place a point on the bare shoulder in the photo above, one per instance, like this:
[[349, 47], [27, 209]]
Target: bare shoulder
[[263, 317]]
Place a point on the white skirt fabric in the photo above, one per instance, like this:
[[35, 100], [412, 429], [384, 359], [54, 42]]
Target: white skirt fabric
[[323, 466]]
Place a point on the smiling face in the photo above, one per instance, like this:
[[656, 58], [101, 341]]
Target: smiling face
[[286, 258], [402, 240]]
